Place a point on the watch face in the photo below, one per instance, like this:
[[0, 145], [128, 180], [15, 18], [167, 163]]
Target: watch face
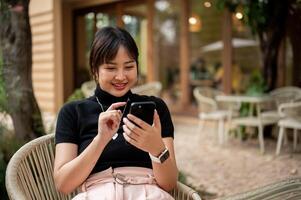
[[164, 156]]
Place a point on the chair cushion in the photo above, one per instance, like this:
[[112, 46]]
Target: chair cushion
[[270, 113], [254, 121], [214, 115], [290, 123]]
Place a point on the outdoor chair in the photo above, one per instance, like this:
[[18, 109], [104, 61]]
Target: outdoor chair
[[150, 89], [251, 120], [210, 110], [291, 120], [88, 88], [29, 174], [282, 95], [259, 121]]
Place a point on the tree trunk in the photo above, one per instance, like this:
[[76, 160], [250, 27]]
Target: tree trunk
[[270, 40], [294, 32], [269, 49], [16, 46]]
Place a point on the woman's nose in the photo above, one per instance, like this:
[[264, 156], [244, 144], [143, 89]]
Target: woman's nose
[[120, 75]]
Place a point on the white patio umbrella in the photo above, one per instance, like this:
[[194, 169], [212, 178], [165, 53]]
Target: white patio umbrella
[[236, 43]]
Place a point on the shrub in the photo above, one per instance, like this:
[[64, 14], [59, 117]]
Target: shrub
[[76, 95], [257, 85], [3, 98], [8, 146]]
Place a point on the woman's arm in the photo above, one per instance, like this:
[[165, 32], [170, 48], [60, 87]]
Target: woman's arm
[[166, 173], [148, 138], [70, 169]]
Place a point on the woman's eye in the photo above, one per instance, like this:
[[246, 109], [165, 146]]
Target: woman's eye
[[110, 68], [129, 67]]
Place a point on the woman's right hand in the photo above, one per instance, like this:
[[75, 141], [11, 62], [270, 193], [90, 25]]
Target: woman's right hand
[[109, 121]]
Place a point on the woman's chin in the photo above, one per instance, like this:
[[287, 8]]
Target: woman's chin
[[119, 92]]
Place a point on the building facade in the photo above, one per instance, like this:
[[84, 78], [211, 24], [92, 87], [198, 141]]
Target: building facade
[[181, 43]]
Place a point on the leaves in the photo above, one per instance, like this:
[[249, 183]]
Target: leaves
[[3, 98]]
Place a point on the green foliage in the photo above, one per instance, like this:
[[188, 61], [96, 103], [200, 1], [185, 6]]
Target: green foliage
[[229, 4], [258, 14], [182, 177], [38, 125], [8, 146], [76, 95], [2, 176], [257, 85], [3, 98]]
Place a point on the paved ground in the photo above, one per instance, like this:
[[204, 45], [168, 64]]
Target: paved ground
[[219, 171]]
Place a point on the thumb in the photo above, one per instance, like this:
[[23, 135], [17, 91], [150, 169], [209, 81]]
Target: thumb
[[157, 122]]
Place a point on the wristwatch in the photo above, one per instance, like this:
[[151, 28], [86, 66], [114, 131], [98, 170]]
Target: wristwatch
[[164, 155]]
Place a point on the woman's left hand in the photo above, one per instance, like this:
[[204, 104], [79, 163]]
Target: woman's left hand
[[144, 136]]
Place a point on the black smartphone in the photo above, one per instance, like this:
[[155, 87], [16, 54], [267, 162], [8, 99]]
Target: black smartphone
[[144, 110]]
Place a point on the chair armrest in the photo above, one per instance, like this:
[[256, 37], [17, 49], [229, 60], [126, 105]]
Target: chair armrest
[[285, 189], [291, 109], [183, 191], [205, 100]]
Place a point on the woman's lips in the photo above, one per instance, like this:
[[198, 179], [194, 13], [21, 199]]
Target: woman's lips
[[119, 86]]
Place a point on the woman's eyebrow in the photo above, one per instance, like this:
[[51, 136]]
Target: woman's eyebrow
[[127, 62], [111, 63], [131, 61]]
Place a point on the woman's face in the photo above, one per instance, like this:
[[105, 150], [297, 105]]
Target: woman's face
[[119, 75]]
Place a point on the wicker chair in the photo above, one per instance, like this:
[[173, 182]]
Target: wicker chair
[[29, 174], [88, 88], [210, 110], [291, 113], [282, 95], [285, 189], [151, 89]]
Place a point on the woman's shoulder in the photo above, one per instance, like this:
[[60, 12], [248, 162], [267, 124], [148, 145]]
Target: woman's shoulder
[[73, 105]]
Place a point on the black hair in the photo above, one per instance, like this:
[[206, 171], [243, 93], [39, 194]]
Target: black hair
[[105, 46]]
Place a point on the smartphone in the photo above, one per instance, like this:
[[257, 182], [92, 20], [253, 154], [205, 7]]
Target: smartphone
[[144, 110]]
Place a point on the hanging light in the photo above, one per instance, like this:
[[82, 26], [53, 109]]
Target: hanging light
[[162, 5], [195, 23], [239, 15], [207, 4]]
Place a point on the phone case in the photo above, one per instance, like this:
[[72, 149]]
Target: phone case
[[143, 110]]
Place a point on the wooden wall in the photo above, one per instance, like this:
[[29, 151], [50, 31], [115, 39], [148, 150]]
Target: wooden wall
[[42, 27]]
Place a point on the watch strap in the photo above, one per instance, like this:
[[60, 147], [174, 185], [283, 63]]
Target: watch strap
[[164, 155]]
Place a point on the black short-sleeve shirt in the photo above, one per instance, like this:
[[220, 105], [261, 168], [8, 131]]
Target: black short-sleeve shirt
[[78, 123]]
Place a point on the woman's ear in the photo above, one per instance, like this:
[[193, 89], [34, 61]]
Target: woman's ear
[[95, 75], [137, 79]]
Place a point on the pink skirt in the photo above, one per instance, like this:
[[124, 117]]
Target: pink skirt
[[124, 183]]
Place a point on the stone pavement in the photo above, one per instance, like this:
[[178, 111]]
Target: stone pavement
[[219, 171]]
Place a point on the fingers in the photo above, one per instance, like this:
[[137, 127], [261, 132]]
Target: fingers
[[111, 118], [131, 134], [113, 113], [130, 140], [114, 106], [138, 121], [157, 122], [131, 126]]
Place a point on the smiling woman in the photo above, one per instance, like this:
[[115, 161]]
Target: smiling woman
[[98, 145]]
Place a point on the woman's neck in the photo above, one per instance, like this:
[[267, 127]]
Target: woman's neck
[[107, 98]]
